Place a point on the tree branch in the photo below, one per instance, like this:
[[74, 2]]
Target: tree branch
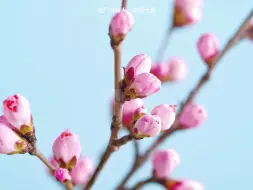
[[123, 140], [164, 44], [39, 155], [203, 80], [117, 118]]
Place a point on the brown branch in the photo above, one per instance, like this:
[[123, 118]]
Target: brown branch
[[117, 118], [69, 185], [164, 44], [123, 140], [124, 4], [204, 79], [39, 155]]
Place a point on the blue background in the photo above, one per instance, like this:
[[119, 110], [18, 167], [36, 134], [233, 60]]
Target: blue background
[[57, 54]]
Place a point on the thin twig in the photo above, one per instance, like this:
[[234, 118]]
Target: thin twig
[[124, 4], [204, 79], [164, 44], [117, 118], [69, 185], [136, 148], [123, 140], [39, 155]]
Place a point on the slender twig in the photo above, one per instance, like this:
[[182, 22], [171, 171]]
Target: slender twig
[[164, 44], [204, 79], [39, 155], [69, 185], [117, 118], [136, 148], [124, 4], [123, 140]]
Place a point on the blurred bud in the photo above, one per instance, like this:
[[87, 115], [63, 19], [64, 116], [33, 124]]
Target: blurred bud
[[10, 142], [193, 115], [67, 149], [167, 114], [16, 110], [62, 175], [161, 71], [82, 171], [147, 126], [177, 69], [142, 86], [187, 12], [183, 185], [121, 24], [165, 162], [129, 108], [209, 47], [138, 64]]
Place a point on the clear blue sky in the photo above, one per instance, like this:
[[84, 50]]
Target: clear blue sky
[[57, 54]]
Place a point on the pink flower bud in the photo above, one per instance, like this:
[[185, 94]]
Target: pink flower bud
[[83, 171], [139, 112], [121, 24], [187, 12], [10, 142], [209, 47], [177, 69], [165, 162], [129, 108], [161, 71], [138, 64], [167, 114], [142, 86], [147, 126], [67, 149], [186, 185], [193, 115], [17, 111], [62, 175]]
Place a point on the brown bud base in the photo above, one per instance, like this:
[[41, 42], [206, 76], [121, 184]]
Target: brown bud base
[[179, 18], [70, 165], [31, 149]]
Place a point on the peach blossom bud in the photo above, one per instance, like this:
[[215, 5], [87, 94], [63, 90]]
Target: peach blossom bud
[[187, 12], [139, 112], [142, 86], [121, 24], [83, 171], [138, 64], [167, 113], [209, 47], [147, 126], [177, 69], [193, 115], [17, 111], [62, 175], [161, 71], [186, 185], [67, 149], [129, 108], [165, 162], [10, 142]]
